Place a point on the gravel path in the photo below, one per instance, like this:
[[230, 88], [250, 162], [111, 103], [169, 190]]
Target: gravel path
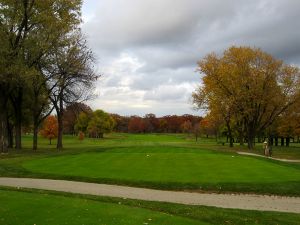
[[282, 160], [237, 201]]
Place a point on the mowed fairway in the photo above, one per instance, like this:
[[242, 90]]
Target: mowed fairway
[[159, 165]]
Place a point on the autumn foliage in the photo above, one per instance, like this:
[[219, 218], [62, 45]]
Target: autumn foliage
[[50, 128], [80, 135], [136, 125], [152, 124], [248, 88], [94, 124], [99, 124]]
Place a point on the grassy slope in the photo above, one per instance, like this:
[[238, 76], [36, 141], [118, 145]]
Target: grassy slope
[[44, 207], [159, 161]]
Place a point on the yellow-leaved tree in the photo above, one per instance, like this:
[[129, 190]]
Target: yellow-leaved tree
[[248, 88]]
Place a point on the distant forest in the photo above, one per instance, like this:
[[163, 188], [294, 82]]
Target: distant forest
[[134, 124]]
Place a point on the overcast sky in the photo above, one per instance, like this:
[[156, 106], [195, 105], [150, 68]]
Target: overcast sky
[[147, 50]]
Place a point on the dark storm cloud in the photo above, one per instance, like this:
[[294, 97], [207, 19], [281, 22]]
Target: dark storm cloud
[[146, 47]]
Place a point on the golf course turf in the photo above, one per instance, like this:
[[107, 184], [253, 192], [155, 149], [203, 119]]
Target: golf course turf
[[165, 162], [23, 206], [173, 162], [156, 161], [163, 166], [51, 209]]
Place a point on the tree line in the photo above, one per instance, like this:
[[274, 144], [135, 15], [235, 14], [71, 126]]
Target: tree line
[[152, 124], [80, 117], [80, 120], [45, 64], [250, 95]]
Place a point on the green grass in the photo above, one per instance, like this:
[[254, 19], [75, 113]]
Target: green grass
[[168, 166], [33, 208], [23, 206], [155, 161]]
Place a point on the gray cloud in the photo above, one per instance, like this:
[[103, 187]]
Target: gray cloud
[[148, 50]]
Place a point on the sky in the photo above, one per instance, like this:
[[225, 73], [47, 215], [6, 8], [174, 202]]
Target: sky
[[147, 50]]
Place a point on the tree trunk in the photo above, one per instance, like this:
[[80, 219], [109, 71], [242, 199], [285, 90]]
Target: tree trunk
[[241, 139], [18, 134], [230, 142], [276, 141], [287, 144], [35, 118], [250, 144], [271, 141], [250, 139], [10, 134], [229, 134], [3, 131], [4, 97], [282, 141], [17, 104], [59, 145], [35, 136], [60, 110]]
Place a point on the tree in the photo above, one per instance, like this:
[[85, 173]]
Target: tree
[[174, 123], [73, 66], [30, 32], [71, 114], [50, 128], [163, 125], [82, 122], [100, 123], [136, 125], [196, 130], [151, 123], [206, 127], [13, 33], [80, 135], [54, 20], [250, 86], [121, 122], [187, 127], [288, 125]]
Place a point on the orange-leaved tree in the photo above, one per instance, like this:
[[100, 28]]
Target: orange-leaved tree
[[50, 128]]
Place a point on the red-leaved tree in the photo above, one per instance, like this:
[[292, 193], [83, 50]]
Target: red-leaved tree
[[136, 125], [50, 128]]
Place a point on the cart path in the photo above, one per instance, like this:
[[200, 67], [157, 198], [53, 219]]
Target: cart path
[[282, 160], [237, 201]]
